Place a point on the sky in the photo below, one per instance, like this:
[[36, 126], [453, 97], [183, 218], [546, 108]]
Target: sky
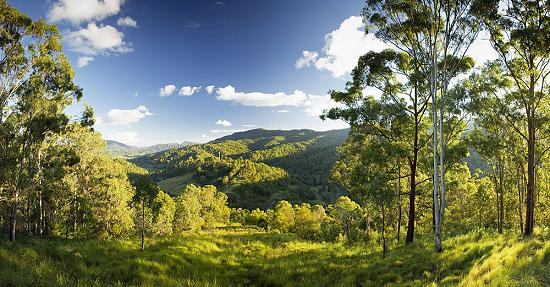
[[195, 70]]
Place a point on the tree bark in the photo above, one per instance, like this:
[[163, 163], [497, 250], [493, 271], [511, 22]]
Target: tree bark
[[530, 200], [399, 201], [383, 232], [531, 141], [13, 216]]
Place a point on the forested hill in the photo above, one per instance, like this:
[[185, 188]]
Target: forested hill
[[256, 168], [119, 149]]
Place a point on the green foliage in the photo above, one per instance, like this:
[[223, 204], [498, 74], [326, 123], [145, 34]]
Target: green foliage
[[345, 212], [308, 220], [164, 208], [201, 207], [283, 216]]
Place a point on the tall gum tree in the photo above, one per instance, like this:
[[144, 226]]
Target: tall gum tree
[[36, 84], [433, 35], [520, 33]]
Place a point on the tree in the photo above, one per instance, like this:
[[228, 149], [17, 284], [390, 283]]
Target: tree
[[36, 85], [164, 209], [307, 221], [283, 216], [201, 207], [520, 32], [397, 118], [145, 192], [345, 211]]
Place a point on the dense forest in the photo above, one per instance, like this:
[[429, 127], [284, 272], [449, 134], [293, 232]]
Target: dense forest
[[255, 168], [441, 180]]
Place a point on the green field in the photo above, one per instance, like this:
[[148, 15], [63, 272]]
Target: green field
[[175, 185], [248, 257]]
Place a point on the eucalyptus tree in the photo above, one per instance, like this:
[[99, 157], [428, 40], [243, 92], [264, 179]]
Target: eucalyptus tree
[[436, 36], [397, 117], [520, 33], [36, 84]]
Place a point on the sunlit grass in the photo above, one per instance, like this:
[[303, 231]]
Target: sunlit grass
[[244, 257]]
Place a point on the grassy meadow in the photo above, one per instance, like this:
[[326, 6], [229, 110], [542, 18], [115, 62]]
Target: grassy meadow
[[249, 257]]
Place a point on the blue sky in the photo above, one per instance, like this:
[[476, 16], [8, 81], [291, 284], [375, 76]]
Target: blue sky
[[169, 71]]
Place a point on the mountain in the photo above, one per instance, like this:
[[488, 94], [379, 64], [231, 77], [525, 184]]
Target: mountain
[[120, 149], [255, 168]]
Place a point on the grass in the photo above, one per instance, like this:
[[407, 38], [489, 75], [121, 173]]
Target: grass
[[175, 185], [248, 257]]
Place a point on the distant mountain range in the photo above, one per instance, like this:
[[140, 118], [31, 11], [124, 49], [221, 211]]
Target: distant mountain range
[[119, 149], [255, 168]]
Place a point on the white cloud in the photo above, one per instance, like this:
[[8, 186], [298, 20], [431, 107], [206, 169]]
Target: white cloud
[[317, 104], [167, 90], [312, 105], [225, 131], [127, 22], [283, 111], [125, 117], [308, 57], [258, 99], [77, 11], [83, 61], [224, 123], [210, 89], [95, 40], [248, 126], [129, 138], [342, 49], [188, 91]]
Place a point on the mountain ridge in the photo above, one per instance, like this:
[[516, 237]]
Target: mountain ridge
[[255, 168]]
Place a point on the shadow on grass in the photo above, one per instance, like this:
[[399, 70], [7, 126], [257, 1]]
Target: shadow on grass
[[246, 257]]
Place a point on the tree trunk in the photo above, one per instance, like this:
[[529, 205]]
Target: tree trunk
[[142, 224], [530, 200], [412, 196], [501, 198], [383, 232], [436, 212], [13, 216], [520, 201], [399, 201]]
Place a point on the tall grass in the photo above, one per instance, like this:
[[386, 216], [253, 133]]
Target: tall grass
[[248, 257]]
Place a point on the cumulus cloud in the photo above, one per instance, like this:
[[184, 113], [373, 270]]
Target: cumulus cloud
[[342, 49], [77, 11], [224, 123], [127, 22], [129, 138], [225, 131], [188, 91], [312, 105], [125, 117], [259, 99], [308, 57], [83, 61], [317, 104], [94, 40], [167, 90], [210, 89]]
